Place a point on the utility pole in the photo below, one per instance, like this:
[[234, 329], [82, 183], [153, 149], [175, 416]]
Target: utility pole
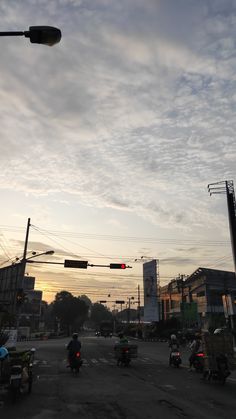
[[129, 298], [139, 314], [26, 240], [227, 187], [21, 282]]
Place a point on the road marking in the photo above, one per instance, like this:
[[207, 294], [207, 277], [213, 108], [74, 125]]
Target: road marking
[[103, 360], [94, 361], [169, 386]]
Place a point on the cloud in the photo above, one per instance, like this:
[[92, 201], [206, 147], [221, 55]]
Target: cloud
[[132, 111]]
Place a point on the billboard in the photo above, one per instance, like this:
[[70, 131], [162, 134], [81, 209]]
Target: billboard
[[150, 287]]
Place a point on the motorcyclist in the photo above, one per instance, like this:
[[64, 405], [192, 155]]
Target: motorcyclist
[[123, 342], [123, 338], [173, 345], [73, 346], [195, 346]]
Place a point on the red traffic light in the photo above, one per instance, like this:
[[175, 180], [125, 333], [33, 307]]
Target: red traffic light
[[117, 266]]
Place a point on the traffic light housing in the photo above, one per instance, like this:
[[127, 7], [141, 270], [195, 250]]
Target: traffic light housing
[[117, 266], [120, 302], [81, 264]]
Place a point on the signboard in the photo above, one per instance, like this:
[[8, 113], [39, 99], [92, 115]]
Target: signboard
[[150, 286]]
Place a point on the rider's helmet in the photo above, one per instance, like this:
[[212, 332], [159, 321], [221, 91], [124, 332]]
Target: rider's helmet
[[3, 352], [173, 337], [75, 336]]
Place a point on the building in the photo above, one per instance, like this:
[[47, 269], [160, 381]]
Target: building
[[198, 299], [20, 303]]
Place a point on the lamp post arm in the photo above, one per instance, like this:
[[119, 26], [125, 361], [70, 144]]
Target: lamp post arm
[[12, 33]]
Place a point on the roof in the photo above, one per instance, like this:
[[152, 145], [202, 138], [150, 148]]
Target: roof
[[210, 274]]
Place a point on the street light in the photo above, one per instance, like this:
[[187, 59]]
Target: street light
[[48, 252], [46, 35]]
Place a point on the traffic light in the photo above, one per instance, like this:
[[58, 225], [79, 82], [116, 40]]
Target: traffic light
[[120, 302], [82, 264], [102, 301], [117, 266], [20, 296]]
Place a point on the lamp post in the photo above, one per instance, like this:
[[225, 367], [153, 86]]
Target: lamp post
[[46, 35]]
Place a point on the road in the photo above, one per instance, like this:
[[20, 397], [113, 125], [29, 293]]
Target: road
[[148, 388]]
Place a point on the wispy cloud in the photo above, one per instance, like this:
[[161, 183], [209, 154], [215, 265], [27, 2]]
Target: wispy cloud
[[134, 110]]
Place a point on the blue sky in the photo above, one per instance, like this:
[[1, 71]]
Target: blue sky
[[117, 131]]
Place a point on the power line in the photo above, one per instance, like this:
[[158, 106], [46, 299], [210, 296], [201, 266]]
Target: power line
[[187, 241]]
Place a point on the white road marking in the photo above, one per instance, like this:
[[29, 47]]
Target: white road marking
[[104, 360]]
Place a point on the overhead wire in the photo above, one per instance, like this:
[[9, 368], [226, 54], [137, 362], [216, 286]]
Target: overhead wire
[[127, 238]]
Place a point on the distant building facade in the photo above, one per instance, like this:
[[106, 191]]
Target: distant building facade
[[198, 299]]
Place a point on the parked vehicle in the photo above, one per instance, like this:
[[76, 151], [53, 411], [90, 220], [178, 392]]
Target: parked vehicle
[[175, 358], [16, 375], [75, 361]]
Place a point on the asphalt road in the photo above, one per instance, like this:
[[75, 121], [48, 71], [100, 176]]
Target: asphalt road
[[148, 388]]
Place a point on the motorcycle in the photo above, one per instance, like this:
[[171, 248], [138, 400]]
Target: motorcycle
[[220, 373], [124, 357], [175, 359], [75, 361], [198, 361], [21, 374]]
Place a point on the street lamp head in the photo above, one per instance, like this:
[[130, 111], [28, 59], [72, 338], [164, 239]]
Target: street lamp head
[[49, 252], [47, 35]]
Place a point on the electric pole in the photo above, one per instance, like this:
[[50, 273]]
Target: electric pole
[[227, 187], [139, 314]]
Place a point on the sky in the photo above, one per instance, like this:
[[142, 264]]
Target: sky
[[109, 139]]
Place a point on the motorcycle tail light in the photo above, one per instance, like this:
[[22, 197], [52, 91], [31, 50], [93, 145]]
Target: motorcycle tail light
[[78, 355]]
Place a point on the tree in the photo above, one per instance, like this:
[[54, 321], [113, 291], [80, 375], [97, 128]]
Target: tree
[[86, 300], [70, 310], [100, 313]]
